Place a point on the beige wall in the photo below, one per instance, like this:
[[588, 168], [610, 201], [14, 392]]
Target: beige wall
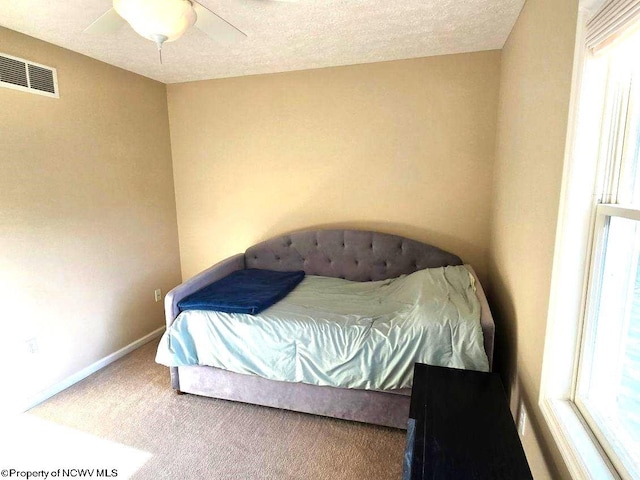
[[404, 147], [532, 125], [87, 215]]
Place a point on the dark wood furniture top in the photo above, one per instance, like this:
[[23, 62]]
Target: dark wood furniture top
[[460, 427]]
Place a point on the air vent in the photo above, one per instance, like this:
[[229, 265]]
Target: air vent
[[27, 76], [13, 72]]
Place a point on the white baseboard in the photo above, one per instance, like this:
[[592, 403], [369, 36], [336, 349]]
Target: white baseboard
[[85, 372]]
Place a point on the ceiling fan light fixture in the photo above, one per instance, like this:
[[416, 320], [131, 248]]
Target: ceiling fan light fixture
[[157, 19]]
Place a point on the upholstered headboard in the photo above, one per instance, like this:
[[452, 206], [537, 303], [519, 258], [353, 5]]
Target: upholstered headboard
[[351, 254]]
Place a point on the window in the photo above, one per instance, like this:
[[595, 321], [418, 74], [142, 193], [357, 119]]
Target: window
[[608, 388], [590, 393], [608, 381]]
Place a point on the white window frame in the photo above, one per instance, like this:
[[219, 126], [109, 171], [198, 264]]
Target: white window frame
[[603, 214], [578, 213]]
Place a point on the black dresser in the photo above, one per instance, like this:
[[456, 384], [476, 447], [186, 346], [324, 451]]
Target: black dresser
[[460, 427]]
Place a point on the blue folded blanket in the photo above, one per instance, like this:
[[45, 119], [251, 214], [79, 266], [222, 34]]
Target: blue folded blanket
[[244, 291]]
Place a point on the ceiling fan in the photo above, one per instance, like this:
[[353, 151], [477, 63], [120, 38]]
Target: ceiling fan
[[165, 20]]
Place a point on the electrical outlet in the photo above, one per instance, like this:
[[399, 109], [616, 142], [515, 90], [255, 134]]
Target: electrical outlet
[[522, 419], [158, 294], [32, 345]]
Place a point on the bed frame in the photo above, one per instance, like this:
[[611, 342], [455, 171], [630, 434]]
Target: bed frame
[[350, 254]]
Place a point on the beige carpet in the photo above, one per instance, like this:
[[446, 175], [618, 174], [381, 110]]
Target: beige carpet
[[130, 402]]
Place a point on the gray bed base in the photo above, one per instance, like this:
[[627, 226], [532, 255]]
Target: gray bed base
[[351, 254]]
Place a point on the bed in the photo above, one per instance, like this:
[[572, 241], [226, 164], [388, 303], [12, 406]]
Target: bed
[[326, 256]]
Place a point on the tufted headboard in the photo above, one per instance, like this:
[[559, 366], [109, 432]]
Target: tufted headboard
[[352, 254]]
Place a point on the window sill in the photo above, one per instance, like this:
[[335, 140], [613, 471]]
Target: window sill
[[580, 451]]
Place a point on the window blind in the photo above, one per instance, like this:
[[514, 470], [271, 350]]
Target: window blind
[[613, 18]]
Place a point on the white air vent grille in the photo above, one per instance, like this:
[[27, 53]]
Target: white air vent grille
[[27, 76], [13, 72], [41, 79]]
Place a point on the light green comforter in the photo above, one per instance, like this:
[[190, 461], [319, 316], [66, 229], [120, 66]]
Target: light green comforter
[[335, 332]]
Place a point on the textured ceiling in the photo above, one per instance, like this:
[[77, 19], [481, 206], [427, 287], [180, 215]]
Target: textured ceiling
[[281, 36]]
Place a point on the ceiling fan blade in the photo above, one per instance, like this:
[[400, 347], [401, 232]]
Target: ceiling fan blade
[[217, 28], [109, 22]]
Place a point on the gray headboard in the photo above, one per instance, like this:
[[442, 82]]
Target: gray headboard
[[352, 254]]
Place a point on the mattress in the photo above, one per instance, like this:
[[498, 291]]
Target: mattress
[[335, 332]]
